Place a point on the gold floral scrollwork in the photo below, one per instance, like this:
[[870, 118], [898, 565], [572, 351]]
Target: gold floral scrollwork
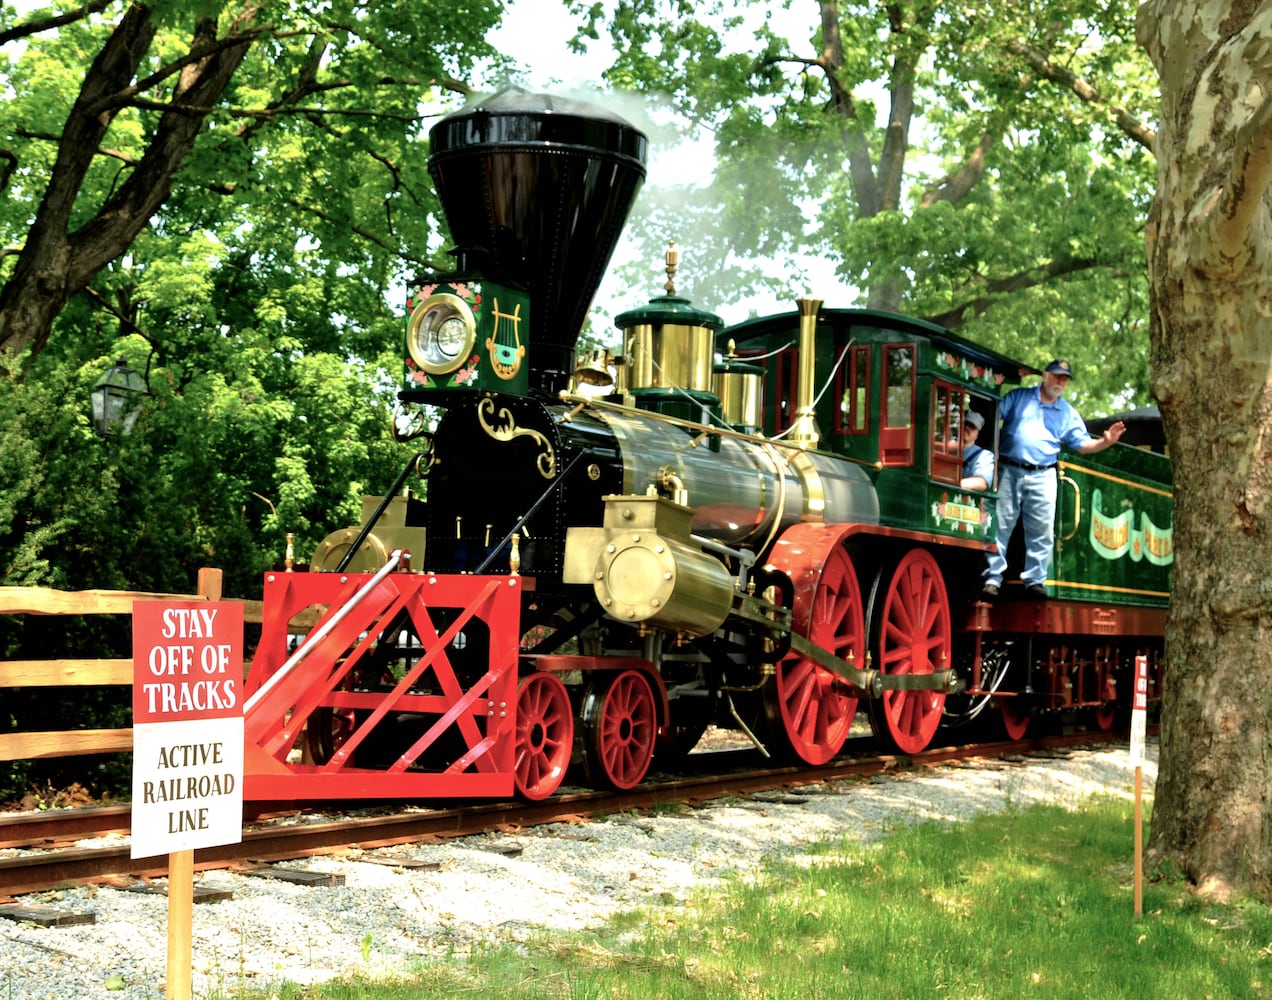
[[502, 426]]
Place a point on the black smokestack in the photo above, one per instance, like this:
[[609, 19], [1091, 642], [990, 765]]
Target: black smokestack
[[536, 189]]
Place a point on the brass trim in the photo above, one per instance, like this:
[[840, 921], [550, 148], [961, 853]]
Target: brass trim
[[814, 491], [1111, 590], [1117, 479], [1077, 506], [507, 430], [456, 308]]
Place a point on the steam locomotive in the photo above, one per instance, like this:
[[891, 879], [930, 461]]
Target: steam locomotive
[[589, 560]]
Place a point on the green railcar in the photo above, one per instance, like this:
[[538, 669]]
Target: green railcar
[[1114, 528]]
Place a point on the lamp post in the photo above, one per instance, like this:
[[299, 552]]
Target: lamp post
[[117, 399]]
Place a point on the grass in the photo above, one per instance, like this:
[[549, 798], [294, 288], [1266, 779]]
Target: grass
[[1035, 902]]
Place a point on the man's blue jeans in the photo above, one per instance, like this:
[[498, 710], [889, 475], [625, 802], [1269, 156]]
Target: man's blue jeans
[[1029, 497]]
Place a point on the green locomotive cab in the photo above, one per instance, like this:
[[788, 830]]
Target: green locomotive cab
[[892, 392]]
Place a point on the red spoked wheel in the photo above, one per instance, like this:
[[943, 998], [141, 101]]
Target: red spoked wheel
[[813, 705], [1104, 716], [326, 731], [620, 724], [1015, 718], [912, 635], [545, 736]]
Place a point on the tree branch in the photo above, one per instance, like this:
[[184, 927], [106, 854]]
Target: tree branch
[[1131, 126], [831, 61], [953, 318], [45, 23], [954, 187], [127, 212], [125, 96]]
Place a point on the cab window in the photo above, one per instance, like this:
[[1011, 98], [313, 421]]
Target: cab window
[[852, 391], [948, 404], [896, 433]]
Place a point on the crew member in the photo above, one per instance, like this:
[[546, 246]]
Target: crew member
[[978, 462], [1036, 421]]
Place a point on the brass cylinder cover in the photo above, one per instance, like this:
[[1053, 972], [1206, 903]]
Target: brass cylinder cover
[[643, 577], [371, 555]]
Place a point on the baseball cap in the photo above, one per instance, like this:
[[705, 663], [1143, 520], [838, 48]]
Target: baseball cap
[[974, 418], [1059, 367]]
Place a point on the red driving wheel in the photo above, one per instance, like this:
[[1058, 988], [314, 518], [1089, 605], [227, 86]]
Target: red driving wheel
[[815, 707], [912, 635]]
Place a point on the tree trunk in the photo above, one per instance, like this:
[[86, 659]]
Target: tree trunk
[[1210, 240]]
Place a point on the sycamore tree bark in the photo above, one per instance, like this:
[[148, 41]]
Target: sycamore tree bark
[[1210, 262]]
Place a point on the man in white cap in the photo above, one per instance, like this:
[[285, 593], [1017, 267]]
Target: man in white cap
[[1036, 422], [978, 462]]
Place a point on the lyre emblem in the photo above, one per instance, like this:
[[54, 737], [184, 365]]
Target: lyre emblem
[[506, 351]]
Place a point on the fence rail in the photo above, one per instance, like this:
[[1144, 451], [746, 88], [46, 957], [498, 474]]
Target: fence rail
[[37, 744]]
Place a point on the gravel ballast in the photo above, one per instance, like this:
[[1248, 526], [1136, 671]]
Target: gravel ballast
[[443, 898]]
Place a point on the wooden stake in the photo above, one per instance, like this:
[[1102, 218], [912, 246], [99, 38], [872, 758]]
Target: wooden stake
[[180, 921], [1139, 840], [181, 873]]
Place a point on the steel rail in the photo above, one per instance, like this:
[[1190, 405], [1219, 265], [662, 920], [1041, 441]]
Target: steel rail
[[266, 841]]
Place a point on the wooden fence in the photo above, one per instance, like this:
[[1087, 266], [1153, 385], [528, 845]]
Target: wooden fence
[[35, 744]]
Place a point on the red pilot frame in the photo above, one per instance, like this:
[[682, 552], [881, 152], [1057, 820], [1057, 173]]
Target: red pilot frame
[[405, 688]]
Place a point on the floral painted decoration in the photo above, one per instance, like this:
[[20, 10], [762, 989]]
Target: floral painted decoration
[[968, 370]]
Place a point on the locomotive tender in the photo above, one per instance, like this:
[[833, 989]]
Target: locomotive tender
[[759, 527]]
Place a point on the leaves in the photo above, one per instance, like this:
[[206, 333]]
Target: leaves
[[980, 165], [260, 296]]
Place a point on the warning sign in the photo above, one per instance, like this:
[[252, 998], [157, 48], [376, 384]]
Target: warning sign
[[187, 726], [1139, 710]]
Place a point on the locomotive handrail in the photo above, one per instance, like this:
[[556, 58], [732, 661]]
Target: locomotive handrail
[[588, 402], [745, 557], [1077, 505], [315, 637], [388, 497]]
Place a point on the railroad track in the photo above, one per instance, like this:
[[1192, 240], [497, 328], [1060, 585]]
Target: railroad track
[[44, 853]]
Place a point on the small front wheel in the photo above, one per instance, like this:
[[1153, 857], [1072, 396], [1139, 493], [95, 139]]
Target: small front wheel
[[620, 723], [545, 736]]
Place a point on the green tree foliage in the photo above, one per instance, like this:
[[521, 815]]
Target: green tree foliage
[[980, 165], [230, 196]]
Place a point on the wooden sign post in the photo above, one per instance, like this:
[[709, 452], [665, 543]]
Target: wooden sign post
[[187, 787]]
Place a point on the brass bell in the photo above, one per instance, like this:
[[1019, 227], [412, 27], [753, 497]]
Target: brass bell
[[594, 368]]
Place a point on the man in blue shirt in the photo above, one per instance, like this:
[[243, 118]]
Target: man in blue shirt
[[1036, 422], [978, 462]]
